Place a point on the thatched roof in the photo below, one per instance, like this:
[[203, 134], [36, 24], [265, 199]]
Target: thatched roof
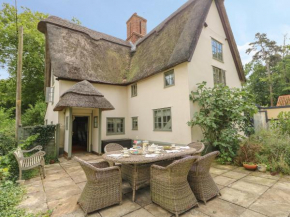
[[85, 95], [78, 53]]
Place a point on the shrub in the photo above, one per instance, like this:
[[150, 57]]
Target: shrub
[[34, 115], [282, 124], [223, 117], [10, 196], [268, 147]]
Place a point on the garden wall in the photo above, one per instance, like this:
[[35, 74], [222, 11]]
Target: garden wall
[[48, 138]]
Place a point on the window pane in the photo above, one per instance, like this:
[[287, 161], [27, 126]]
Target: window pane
[[162, 119], [169, 78], [217, 50]]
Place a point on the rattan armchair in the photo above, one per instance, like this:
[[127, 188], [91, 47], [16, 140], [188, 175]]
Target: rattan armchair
[[200, 180], [33, 161], [103, 187], [169, 186], [199, 146], [113, 147]]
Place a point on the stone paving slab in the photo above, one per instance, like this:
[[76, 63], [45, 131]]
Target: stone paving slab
[[157, 210], [138, 213], [221, 208], [64, 206], [249, 187], [241, 198], [250, 213], [62, 192], [222, 180], [234, 175], [126, 207], [259, 180], [274, 202], [244, 193]]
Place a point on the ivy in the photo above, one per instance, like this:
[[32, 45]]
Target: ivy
[[224, 117]]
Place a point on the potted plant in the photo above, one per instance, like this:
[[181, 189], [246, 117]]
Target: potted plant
[[250, 165]]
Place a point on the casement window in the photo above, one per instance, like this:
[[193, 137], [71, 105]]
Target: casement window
[[162, 119], [217, 50], [133, 90], [169, 79], [219, 76], [134, 123], [49, 94], [115, 126]]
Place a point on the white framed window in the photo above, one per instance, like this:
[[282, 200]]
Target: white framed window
[[219, 76], [217, 50], [115, 126], [134, 123], [162, 119], [169, 79], [49, 95], [134, 90]]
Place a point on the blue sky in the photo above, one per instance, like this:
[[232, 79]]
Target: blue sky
[[247, 17]]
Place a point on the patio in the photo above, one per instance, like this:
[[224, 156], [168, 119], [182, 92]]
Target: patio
[[244, 193]]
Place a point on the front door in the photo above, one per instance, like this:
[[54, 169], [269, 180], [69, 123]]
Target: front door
[[80, 132]]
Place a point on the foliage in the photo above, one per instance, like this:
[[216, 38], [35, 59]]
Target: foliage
[[223, 116], [34, 115], [33, 55], [282, 124], [267, 147], [10, 196], [9, 165], [46, 134], [269, 68], [7, 132]]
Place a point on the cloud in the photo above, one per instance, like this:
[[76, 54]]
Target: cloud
[[246, 58]]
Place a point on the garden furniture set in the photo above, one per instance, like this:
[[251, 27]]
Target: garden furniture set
[[177, 178]]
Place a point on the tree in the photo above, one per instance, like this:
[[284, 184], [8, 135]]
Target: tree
[[258, 75], [267, 52], [33, 54], [224, 113]]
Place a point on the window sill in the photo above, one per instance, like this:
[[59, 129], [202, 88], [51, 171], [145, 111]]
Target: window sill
[[218, 60], [169, 86], [162, 130], [114, 134]]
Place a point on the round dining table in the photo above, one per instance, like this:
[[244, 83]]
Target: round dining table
[[138, 159]]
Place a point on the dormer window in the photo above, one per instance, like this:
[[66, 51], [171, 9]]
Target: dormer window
[[217, 50]]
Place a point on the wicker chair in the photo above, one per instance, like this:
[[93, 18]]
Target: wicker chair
[[113, 147], [199, 146], [103, 187], [200, 180], [170, 188], [27, 163]]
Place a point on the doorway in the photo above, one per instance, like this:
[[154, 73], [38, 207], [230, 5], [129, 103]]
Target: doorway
[[80, 134]]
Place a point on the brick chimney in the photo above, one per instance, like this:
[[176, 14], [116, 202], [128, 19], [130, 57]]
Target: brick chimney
[[136, 28]]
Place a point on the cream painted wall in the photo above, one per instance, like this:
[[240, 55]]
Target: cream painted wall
[[200, 68], [153, 95], [50, 115]]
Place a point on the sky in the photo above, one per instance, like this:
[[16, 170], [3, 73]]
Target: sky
[[247, 17]]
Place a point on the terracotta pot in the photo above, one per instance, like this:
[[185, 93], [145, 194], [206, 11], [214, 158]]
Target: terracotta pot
[[51, 161], [250, 167]]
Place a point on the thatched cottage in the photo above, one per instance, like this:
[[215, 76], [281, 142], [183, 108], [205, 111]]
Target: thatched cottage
[[101, 88]]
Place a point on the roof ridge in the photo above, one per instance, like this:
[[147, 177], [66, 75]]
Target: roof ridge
[[160, 26], [96, 35]]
